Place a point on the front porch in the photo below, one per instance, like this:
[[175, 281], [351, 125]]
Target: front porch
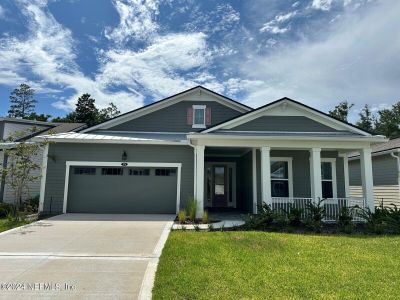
[[284, 177]]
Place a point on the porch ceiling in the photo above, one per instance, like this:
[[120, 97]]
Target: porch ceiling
[[225, 151]]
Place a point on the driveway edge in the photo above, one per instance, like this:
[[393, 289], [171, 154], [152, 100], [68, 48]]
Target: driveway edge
[[146, 289]]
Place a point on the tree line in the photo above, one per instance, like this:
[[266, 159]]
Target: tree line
[[23, 102], [384, 122], [22, 105]]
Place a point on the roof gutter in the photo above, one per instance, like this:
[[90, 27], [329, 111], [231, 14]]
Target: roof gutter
[[398, 161]]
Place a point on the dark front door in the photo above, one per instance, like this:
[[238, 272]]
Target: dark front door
[[220, 191]]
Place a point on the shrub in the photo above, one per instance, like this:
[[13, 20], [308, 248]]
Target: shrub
[[281, 219], [295, 216], [182, 216], [315, 214], [383, 220], [5, 209], [266, 214], [31, 205], [191, 208], [206, 218]]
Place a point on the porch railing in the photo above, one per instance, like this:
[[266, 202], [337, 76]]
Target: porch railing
[[333, 206]]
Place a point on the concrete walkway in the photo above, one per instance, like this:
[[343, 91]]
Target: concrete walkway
[[83, 256]]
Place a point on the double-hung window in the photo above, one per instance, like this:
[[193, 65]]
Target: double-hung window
[[199, 116], [281, 170], [328, 177]]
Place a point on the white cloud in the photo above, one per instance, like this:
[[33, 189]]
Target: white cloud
[[274, 26], [322, 4], [2, 12], [49, 54], [157, 67], [136, 20], [356, 59]]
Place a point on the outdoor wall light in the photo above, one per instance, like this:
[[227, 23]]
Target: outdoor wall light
[[124, 156]]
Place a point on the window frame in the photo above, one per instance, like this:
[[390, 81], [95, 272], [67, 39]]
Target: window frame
[[141, 171], [198, 107], [289, 161], [334, 179]]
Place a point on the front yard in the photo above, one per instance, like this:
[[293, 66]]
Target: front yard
[[5, 225], [237, 265]]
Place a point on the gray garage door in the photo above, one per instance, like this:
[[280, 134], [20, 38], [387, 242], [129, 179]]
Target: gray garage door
[[122, 190]]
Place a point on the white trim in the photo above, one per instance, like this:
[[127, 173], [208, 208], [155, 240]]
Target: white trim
[[334, 177], [43, 177], [315, 174], [227, 165], [199, 107], [289, 160], [210, 136], [199, 179], [367, 178], [285, 104], [254, 171], [266, 175], [197, 97], [69, 164], [345, 158], [281, 143]]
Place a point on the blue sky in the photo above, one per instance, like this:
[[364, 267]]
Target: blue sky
[[133, 52]]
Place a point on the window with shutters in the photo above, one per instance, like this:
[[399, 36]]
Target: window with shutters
[[199, 116]]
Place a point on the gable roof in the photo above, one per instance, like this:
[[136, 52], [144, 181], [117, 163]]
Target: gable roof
[[381, 148], [251, 115], [167, 102]]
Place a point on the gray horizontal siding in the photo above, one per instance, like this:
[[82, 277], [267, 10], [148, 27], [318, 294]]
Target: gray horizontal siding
[[301, 171], [384, 170], [60, 153], [284, 123], [173, 118]]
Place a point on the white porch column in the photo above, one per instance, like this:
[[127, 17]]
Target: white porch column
[[315, 174], [254, 169], [367, 178], [266, 175], [346, 175], [199, 179]]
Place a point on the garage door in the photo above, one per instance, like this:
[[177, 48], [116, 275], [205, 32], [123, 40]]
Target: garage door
[[122, 190]]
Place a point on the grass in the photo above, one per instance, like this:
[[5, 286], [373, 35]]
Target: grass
[[262, 265], [6, 225]]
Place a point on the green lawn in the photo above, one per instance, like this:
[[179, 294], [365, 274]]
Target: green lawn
[[244, 265], [4, 225]]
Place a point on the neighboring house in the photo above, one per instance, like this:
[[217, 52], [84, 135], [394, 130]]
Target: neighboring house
[[12, 131], [201, 144], [386, 170]]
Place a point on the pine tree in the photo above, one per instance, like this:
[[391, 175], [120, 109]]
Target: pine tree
[[367, 119], [22, 101], [86, 111]]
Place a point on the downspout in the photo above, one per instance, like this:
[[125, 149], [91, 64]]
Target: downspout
[[398, 167]]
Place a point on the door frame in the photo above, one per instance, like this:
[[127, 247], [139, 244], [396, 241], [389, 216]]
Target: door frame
[[211, 164], [69, 164]]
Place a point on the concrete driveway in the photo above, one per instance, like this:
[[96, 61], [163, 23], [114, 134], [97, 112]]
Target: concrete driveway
[[83, 255]]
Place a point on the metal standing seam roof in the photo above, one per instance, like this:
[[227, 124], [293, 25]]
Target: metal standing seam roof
[[129, 136]]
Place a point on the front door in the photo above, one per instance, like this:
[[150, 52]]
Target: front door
[[220, 198]]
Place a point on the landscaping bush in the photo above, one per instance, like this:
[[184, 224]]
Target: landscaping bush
[[206, 218], [182, 216], [345, 221], [31, 205], [295, 216], [191, 208], [383, 220], [315, 213], [5, 209]]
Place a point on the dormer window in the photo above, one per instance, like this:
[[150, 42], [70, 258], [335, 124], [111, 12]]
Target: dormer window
[[199, 116]]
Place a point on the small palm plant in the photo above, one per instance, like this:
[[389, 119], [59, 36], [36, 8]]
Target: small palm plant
[[191, 209]]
